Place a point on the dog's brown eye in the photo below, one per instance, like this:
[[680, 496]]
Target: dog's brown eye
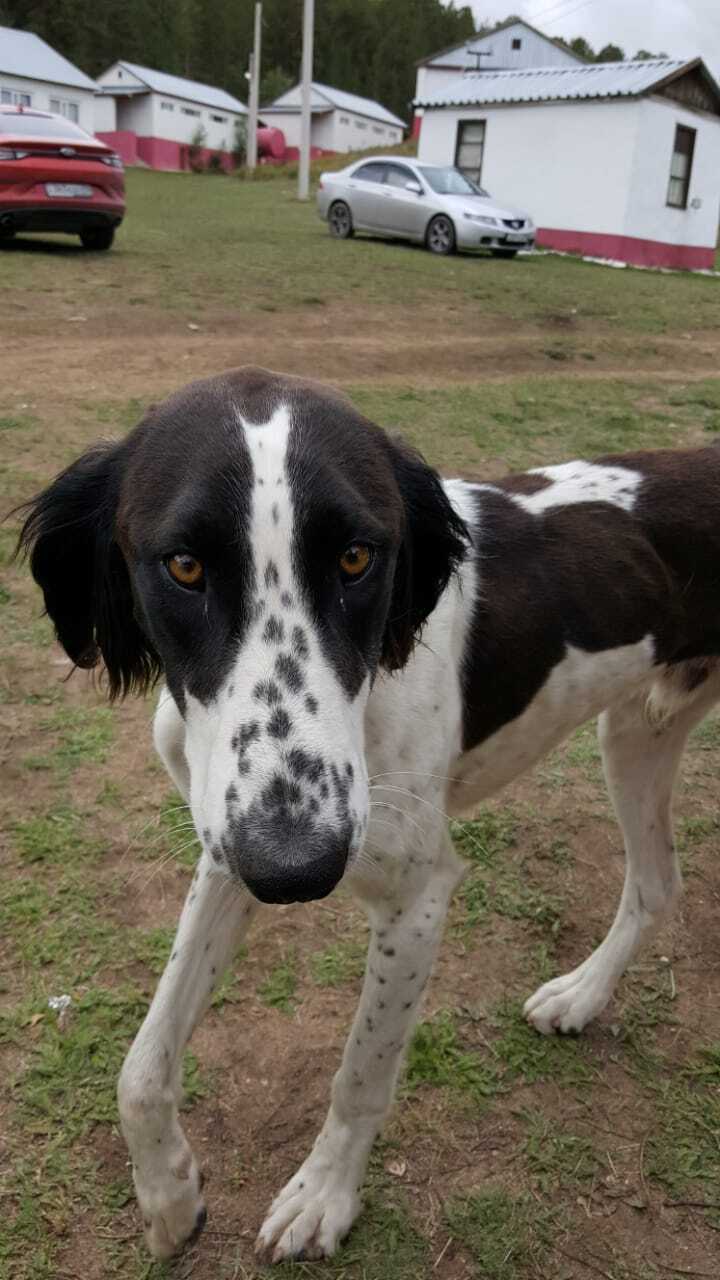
[[186, 570], [355, 561]]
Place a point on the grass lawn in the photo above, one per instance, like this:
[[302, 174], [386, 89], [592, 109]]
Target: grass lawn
[[508, 1156]]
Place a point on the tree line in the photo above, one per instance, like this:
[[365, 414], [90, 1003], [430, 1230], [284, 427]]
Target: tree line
[[368, 47]]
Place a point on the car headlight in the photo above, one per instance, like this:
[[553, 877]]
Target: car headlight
[[483, 218]]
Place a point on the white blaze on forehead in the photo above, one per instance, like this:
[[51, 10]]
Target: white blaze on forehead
[[271, 502]]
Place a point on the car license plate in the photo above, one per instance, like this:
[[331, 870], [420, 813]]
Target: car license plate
[[516, 237], [67, 189]]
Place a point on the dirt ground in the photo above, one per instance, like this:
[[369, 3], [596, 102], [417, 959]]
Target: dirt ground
[[266, 1065]]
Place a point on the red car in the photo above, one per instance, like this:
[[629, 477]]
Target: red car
[[56, 177]]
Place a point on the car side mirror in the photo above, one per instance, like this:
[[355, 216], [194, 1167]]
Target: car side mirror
[[414, 186]]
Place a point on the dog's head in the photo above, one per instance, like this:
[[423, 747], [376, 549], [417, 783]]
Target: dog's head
[[267, 549]]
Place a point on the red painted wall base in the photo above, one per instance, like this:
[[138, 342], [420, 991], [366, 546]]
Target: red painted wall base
[[159, 153], [630, 249], [122, 141]]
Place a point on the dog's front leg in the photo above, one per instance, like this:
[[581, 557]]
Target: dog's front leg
[[318, 1206], [214, 920]]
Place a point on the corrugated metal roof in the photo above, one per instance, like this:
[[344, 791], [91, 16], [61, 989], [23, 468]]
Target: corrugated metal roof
[[553, 84], [24, 54], [323, 96], [179, 87]]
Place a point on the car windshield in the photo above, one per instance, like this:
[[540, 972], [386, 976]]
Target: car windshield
[[450, 182], [21, 125]]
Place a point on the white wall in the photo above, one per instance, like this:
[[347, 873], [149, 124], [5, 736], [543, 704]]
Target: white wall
[[352, 132], [41, 91], [145, 115], [568, 165], [535, 51], [498, 55], [117, 75], [174, 123], [647, 207], [105, 114]]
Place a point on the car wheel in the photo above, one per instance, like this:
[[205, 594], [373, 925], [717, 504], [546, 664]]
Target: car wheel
[[97, 237], [503, 253], [440, 235], [340, 221]]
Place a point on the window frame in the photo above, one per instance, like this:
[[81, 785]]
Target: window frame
[[408, 175], [691, 133], [368, 164], [10, 97], [472, 175]]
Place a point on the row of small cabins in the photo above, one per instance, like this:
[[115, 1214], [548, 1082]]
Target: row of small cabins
[[614, 160]]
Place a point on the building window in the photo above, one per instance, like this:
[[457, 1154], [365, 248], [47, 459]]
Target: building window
[[344, 120], [360, 124], [218, 119], [64, 107], [517, 44], [377, 128], [469, 148], [167, 106], [681, 167], [189, 111], [15, 98]]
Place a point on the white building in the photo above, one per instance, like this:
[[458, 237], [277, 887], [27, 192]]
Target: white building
[[617, 160], [339, 121], [156, 118], [32, 74], [511, 46]]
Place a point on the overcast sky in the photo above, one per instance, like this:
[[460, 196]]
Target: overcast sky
[[680, 28]]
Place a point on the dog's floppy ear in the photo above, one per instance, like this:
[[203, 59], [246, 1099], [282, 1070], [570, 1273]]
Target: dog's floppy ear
[[70, 536], [435, 542]]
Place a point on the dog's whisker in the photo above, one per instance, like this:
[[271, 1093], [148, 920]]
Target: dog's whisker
[[413, 796], [418, 773], [386, 804]]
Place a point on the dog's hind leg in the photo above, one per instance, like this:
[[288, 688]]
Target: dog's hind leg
[[318, 1206], [641, 754], [213, 923]]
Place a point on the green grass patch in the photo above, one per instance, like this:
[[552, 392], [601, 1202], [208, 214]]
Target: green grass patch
[[503, 1234], [683, 1147], [59, 837], [342, 962], [556, 1159], [278, 989], [496, 884], [512, 1053], [436, 1057]]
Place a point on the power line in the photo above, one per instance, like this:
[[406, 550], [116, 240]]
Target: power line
[[545, 14]]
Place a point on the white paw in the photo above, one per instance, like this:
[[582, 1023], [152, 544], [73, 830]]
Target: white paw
[[173, 1209], [311, 1214], [570, 1002]]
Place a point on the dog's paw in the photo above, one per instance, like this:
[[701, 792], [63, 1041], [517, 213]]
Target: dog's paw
[[173, 1211], [568, 1003], [310, 1216]]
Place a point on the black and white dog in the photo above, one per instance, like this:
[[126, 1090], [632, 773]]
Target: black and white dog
[[276, 557]]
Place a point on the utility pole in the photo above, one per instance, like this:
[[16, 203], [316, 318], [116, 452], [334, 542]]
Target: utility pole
[[254, 98], [306, 92]]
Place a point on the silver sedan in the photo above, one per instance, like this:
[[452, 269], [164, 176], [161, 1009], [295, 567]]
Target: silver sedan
[[431, 204]]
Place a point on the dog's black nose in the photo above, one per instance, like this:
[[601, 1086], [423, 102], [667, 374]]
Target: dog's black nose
[[282, 864]]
